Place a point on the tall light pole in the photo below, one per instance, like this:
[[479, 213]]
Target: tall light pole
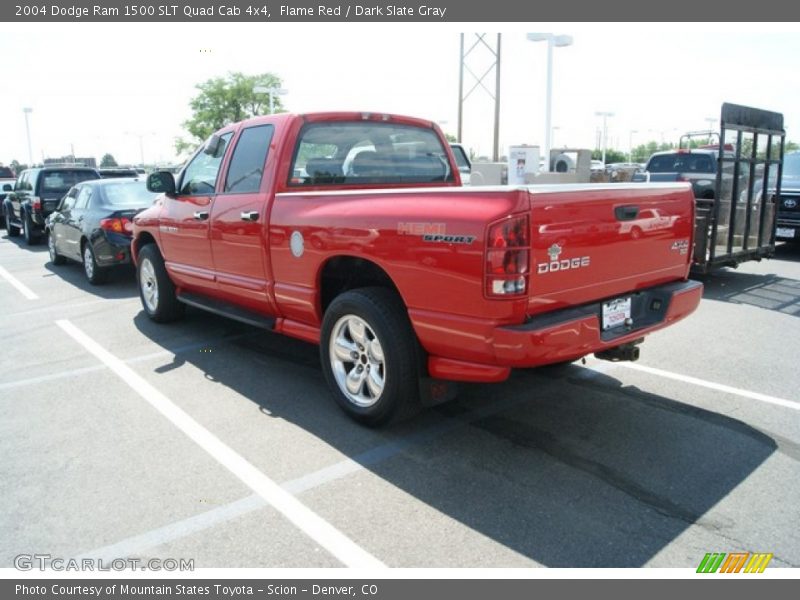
[[554, 128], [27, 110], [605, 116], [558, 41], [272, 91], [141, 142], [630, 144]]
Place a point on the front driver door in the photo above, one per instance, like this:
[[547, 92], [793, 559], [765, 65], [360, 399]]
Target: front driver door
[[184, 221]]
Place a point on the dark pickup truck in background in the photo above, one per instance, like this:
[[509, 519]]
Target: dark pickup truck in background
[[788, 227], [698, 166]]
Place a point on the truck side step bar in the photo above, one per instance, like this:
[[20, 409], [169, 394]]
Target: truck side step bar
[[227, 310]]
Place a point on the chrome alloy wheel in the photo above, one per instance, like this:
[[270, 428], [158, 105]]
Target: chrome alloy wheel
[[148, 284], [357, 361], [88, 262]]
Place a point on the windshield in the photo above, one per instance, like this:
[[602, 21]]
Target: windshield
[[128, 194], [791, 165]]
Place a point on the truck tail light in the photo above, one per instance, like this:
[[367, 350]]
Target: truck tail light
[[117, 225], [36, 203], [508, 253]]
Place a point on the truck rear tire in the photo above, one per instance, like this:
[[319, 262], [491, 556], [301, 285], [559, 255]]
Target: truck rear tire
[[156, 289], [31, 236], [369, 356]]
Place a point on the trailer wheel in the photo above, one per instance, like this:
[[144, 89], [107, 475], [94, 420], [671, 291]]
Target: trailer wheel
[[156, 289], [369, 356]]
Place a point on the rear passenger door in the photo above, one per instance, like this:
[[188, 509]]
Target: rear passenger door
[[239, 221], [74, 222]]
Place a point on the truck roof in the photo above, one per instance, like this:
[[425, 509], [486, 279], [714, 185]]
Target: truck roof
[[340, 116]]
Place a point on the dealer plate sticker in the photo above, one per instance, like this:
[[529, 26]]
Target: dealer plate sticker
[[784, 232], [616, 312]]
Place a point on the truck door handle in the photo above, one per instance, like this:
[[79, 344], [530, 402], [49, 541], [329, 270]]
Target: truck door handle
[[626, 213], [201, 215], [250, 215]]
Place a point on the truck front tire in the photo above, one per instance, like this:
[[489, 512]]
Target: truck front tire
[[369, 356], [13, 230], [156, 289]]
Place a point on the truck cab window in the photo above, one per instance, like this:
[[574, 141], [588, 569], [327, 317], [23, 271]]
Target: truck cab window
[[200, 176], [247, 163]]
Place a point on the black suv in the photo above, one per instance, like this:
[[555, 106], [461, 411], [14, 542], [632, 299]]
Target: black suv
[[789, 202], [36, 194]]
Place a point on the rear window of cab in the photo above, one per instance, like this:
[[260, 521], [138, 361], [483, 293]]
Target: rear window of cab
[[355, 153]]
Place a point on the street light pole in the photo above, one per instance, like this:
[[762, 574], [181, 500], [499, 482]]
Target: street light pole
[[605, 116], [630, 145], [272, 92], [27, 111], [558, 41]]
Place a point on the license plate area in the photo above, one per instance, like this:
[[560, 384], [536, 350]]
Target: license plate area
[[616, 312], [785, 232]]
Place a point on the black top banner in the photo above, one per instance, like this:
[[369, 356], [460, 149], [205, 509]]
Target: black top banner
[[453, 11]]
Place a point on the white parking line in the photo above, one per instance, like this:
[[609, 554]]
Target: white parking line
[[21, 287], [713, 386], [314, 526]]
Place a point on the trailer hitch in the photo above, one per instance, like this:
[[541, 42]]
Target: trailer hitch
[[629, 351]]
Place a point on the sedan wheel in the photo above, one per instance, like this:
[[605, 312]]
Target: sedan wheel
[[55, 257], [94, 274]]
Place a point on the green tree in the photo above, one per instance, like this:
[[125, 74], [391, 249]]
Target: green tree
[[612, 156], [450, 138], [108, 161], [17, 166], [225, 100]]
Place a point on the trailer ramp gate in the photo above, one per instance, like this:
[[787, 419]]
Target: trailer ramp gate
[[739, 223]]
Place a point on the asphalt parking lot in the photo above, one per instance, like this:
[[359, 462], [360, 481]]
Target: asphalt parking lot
[[207, 440]]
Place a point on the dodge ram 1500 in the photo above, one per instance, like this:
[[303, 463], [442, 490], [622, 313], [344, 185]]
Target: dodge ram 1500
[[351, 230]]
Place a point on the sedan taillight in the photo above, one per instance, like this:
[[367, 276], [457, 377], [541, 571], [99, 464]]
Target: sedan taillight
[[117, 225]]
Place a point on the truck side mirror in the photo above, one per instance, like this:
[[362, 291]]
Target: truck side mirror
[[214, 146], [161, 182]]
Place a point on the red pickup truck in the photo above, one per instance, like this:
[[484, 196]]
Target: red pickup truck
[[351, 230]]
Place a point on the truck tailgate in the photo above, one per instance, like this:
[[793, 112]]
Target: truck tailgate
[[591, 242]]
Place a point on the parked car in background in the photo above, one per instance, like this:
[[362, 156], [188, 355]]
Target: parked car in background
[[697, 166], [789, 202], [7, 180], [93, 224], [111, 172], [462, 162], [36, 194]]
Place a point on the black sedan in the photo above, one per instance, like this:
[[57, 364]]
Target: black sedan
[[94, 222]]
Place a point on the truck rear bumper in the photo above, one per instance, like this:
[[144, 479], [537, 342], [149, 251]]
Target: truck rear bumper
[[569, 334]]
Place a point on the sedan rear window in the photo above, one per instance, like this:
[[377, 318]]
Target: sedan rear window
[[127, 194], [6, 173], [368, 153]]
